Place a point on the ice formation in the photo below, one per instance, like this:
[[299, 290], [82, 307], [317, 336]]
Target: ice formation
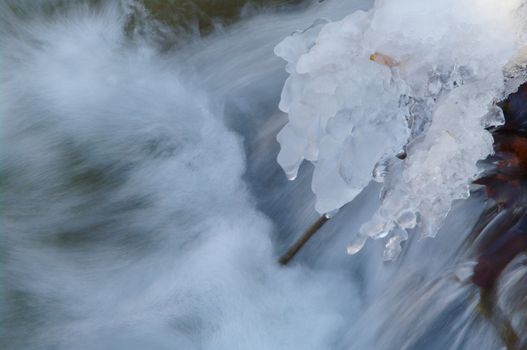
[[401, 94]]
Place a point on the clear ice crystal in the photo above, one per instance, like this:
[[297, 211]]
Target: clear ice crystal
[[380, 171], [362, 89], [393, 247], [357, 244]]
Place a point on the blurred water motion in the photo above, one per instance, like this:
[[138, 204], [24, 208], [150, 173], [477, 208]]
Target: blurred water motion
[[143, 208]]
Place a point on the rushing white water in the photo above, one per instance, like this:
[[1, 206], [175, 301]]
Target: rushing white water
[[142, 207], [128, 224]]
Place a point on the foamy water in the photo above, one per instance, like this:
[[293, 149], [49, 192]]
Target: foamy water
[[143, 208]]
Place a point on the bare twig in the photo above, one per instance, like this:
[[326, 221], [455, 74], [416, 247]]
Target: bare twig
[[498, 319], [286, 258]]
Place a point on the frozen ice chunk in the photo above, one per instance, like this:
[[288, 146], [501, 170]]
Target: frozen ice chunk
[[409, 79], [393, 247], [357, 244]]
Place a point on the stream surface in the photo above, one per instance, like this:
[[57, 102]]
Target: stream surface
[[143, 208]]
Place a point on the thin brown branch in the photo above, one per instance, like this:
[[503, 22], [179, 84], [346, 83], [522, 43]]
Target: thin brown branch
[[498, 319], [290, 254]]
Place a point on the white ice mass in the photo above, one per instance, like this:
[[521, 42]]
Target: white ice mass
[[409, 78]]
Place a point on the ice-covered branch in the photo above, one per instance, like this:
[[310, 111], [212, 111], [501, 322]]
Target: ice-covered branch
[[411, 77]]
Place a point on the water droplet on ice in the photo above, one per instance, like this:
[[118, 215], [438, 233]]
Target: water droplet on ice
[[380, 171], [392, 249], [356, 245], [331, 214], [494, 117], [407, 219], [291, 176]]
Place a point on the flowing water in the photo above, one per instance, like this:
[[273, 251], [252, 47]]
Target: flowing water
[[143, 208]]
